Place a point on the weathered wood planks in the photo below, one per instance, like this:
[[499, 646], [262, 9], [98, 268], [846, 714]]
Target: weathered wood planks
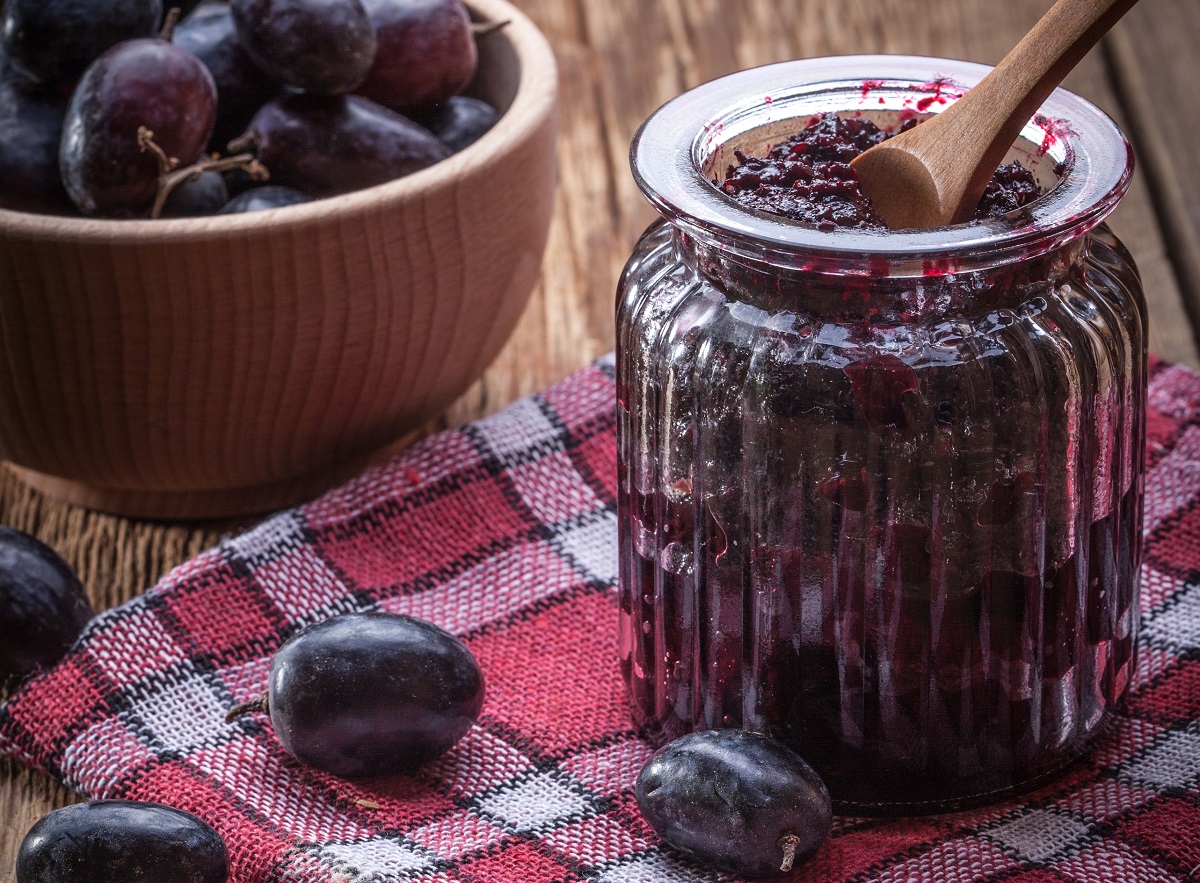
[[1154, 58], [619, 59]]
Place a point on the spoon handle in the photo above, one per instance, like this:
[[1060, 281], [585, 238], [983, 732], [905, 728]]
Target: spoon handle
[[1013, 91]]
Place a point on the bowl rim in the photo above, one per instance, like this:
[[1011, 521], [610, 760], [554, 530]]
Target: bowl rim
[[536, 98]]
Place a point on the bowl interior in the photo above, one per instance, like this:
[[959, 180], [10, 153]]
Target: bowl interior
[[498, 76]]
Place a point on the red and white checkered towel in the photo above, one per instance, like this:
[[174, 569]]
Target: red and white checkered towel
[[505, 533]]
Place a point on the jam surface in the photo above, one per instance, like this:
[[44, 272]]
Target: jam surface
[[808, 177]]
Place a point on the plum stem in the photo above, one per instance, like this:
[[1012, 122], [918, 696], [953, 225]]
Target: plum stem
[[789, 842], [244, 161], [171, 176], [247, 143], [259, 704], [146, 142], [483, 28], [169, 21]]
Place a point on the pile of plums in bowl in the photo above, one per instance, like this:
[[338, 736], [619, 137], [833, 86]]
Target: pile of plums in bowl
[[237, 362], [112, 109]]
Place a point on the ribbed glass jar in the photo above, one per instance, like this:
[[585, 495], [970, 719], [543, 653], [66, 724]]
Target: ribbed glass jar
[[880, 492]]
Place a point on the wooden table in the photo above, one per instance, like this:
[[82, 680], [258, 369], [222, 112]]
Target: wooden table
[[619, 60]]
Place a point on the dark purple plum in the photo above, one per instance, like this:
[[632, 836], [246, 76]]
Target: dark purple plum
[[55, 40], [204, 193], [371, 694], [262, 198], [120, 841], [426, 52], [31, 118], [459, 122], [322, 46], [140, 83], [242, 86], [735, 800], [239, 181], [326, 145], [43, 606]]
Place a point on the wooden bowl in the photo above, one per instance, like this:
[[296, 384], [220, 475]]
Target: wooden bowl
[[209, 367]]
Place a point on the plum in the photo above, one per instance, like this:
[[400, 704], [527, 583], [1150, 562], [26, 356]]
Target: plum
[[735, 800], [322, 46], [204, 193], [262, 198], [459, 122], [31, 119], [43, 606], [242, 86], [55, 40], [326, 145], [426, 52], [149, 85], [120, 841], [371, 694]]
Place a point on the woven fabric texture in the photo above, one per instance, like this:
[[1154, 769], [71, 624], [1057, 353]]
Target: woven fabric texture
[[505, 533]]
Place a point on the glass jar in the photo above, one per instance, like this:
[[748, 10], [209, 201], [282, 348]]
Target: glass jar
[[880, 491]]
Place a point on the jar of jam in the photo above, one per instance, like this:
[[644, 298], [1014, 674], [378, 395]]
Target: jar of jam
[[880, 491]]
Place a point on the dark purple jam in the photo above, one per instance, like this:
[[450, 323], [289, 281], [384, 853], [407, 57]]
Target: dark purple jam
[[885, 507], [892, 521], [808, 177]]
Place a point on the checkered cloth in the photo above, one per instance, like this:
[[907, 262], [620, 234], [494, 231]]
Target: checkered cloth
[[505, 533]]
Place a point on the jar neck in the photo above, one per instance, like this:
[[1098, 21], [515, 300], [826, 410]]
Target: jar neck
[[1080, 159], [882, 297]]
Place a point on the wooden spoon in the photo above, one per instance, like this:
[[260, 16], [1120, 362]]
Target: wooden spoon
[[935, 173]]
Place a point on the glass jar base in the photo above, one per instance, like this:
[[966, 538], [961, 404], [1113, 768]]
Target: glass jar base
[[934, 800], [992, 794]]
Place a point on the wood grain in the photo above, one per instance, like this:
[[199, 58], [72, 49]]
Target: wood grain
[[618, 60], [1154, 59]]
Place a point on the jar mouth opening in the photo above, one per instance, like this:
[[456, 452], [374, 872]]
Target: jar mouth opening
[[1079, 156]]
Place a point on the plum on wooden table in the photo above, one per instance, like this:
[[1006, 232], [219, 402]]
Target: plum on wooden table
[[43, 606]]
